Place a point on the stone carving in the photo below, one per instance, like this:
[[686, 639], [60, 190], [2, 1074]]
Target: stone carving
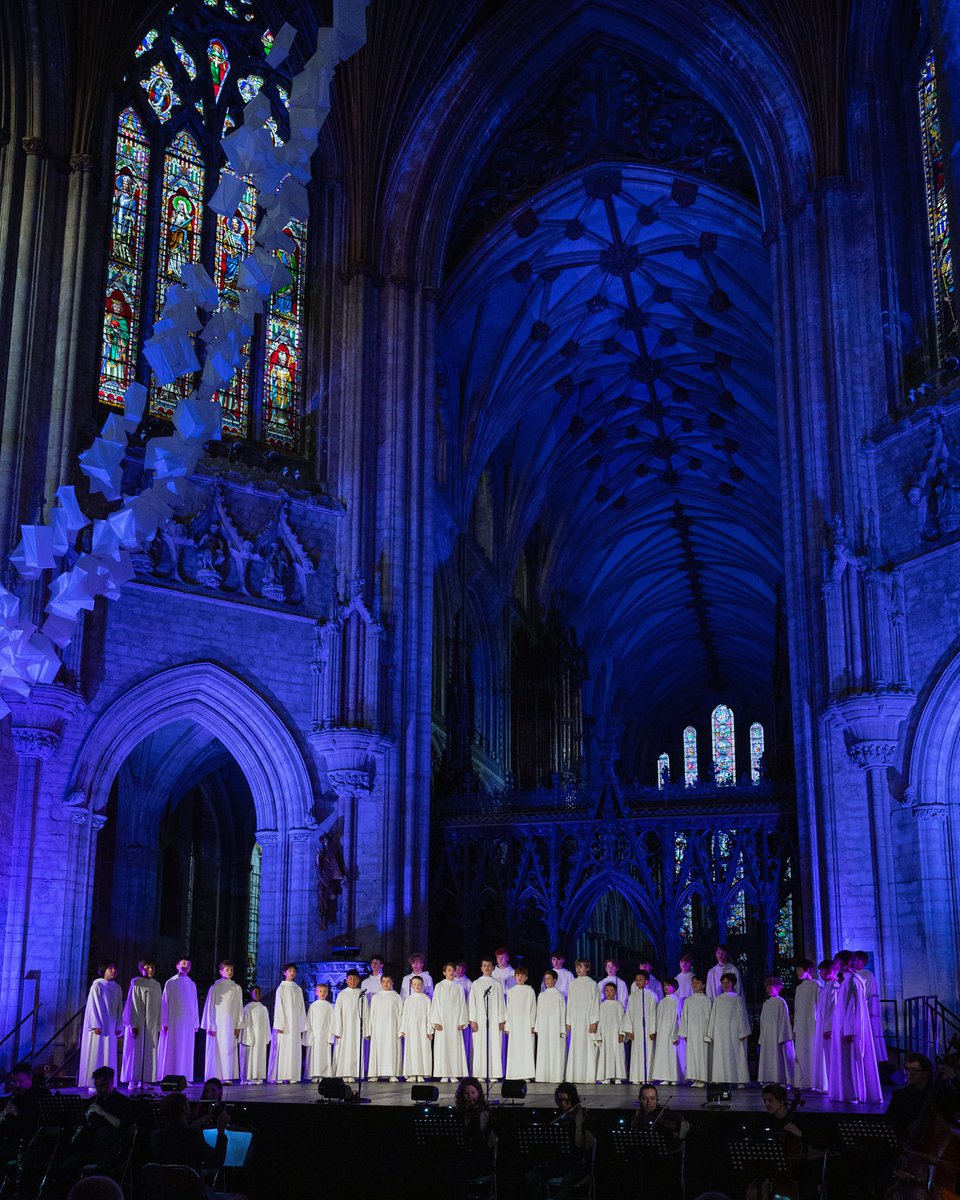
[[607, 108], [348, 781], [211, 557], [330, 880], [935, 493], [869, 755], [35, 743]]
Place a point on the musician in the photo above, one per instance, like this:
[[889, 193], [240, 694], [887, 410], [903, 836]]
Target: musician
[[910, 1105], [659, 1175], [19, 1117], [779, 1123], [651, 1114], [574, 1168], [99, 1140]]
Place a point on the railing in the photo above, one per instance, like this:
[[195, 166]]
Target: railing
[[929, 1026], [58, 1073], [34, 978]]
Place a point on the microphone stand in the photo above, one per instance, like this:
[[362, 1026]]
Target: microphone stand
[[643, 1011], [486, 1010], [359, 1098]]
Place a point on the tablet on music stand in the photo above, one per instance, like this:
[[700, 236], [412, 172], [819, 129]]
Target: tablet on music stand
[[238, 1145]]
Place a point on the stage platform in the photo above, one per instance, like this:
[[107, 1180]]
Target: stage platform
[[352, 1145]]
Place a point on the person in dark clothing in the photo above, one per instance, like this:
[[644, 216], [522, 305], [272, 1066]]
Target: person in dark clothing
[[181, 1144], [101, 1140], [19, 1121], [910, 1105]]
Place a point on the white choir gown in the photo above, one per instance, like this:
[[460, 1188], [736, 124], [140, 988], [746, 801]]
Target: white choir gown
[[346, 1029], [104, 1011], [254, 1042], [222, 1014], [485, 986], [180, 1016], [726, 1030], [876, 1018], [386, 1050], [416, 1028], [805, 1000], [666, 1060], [583, 1010], [551, 1029], [521, 1020], [826, 1008], [853, 1053], [640, 1020], [318, 1040], [776, 1042], [372, 984], [286, 1049], [563, 983], [449, 1009], [507, 977], [611, 1059], [684, 987], [141, 1012], [693, 1030], [623, 992]]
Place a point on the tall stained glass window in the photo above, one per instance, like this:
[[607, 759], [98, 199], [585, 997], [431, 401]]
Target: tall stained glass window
[[690, 771], [121, 318], [756, 752], [938, 217], [737, 915], [663, 770], [253, 913], [187, 84], [724, 760], [784, 929]]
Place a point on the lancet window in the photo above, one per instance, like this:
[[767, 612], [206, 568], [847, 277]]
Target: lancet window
[[938, 216], [188, 80]]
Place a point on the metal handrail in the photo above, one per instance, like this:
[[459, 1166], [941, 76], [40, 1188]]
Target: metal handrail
[[23, 1020], [53, 1037], [929, 1026]]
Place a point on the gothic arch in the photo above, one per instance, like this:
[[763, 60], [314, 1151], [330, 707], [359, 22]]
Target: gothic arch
[[588, 895], [231, 711]]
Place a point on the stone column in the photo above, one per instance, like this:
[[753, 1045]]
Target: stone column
[[939, 971]]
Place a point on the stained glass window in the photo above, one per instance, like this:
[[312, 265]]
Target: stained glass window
[[756, 751], [686, 922], [690, 756], [663, 770], [234, 242], [283, 364], [121, 319], [938, 217], [267, 39], [724, 762], [679, 850], [737, 915], [194, 63], [146, 44], [219, 60], [187, 61], [160, 91], [784, 929], [253, 913], [181, 224]]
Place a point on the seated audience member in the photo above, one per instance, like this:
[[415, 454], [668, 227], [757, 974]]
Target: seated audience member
[[96, 1187], [180, 1144]]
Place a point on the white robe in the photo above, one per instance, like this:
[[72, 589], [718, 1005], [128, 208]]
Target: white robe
[[693, 1030], [876, 1017], [427, 983], [290, 1015], [641, 1015], [654, 987], [726, 1031], [449, 1009], [551, 1030], [507, 977], [623, 993], [666, 1060], [805, 1001], [826, 1008], [372, 984], [104, 1011], [180, 1016], [416, 1029], [141, 1012], [715, 974], [486, 985], [853, 1064], [776, 1042], [583, 1010], [611, 1059], [563, 982], [684, 987], [318, 1040], [254, 1041], [222, 1014], [346, 1029], [386, 1050], [521, 1020]]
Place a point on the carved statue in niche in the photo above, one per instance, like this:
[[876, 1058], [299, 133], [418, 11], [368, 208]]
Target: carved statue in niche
[[276, 574], [839, 556], [330, 880], [211, 557], [935, 494]]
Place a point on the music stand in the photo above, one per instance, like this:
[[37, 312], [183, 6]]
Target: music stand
[[439, 1130], [637, 1142], [544, 1140], [58, 1110], [854, 1131], [748, 1153]]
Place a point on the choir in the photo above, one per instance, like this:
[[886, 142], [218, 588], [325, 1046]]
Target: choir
[[691, 1028]]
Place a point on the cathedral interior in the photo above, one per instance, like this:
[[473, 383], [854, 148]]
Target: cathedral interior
[[571, 560]]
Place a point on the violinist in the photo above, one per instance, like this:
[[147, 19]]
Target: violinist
[[659, 1176], [576, 1166], [909, 1105], [779, 1120]]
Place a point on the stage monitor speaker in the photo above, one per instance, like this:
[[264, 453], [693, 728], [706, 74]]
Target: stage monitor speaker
[[717, 1093], [424, 1093], [332, 1089], [514, 1089], [173, 1083]]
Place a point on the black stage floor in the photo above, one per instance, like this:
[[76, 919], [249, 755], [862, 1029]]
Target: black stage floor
[[302, 1146]]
